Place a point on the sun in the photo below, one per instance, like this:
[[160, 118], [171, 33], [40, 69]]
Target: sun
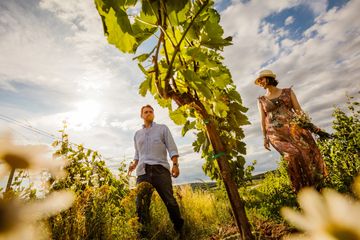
[[85, 115]]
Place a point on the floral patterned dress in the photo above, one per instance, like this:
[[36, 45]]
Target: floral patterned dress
[[305, 164]]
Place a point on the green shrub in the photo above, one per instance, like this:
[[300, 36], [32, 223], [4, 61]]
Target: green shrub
[[265, 199], [101, 210], [96, 214], [342, 152]]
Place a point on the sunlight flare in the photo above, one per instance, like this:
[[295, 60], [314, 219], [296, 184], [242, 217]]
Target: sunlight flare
[[85, 115]]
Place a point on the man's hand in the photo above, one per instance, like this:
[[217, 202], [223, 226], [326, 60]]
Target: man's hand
[[267, 144], [132, 167], [175, 172]]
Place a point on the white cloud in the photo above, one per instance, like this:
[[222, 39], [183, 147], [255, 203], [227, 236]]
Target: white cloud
[[289, 20], [254, 41], [318, 7]]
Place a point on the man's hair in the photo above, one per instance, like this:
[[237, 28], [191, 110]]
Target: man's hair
[[272, 81], [146, 106]]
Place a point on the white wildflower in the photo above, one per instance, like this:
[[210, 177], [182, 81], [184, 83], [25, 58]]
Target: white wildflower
[[19, 220], [330, 215], [28, 157]]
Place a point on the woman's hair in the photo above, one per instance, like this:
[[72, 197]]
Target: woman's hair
[[272, 81]]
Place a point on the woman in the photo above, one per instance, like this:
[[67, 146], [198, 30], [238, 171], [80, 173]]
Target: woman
[[297, 146]]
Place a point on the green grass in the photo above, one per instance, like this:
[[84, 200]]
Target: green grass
[[205, 213]]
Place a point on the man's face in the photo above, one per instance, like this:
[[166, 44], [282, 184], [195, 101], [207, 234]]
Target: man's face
[[147, 114]]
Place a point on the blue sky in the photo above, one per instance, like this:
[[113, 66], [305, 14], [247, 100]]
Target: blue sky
[[56, 65]]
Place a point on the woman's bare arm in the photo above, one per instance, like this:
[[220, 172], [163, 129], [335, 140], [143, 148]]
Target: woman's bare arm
[[262, 116], [263, 128], [295, 103]]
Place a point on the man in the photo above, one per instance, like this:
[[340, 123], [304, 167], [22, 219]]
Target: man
[[152, 166]]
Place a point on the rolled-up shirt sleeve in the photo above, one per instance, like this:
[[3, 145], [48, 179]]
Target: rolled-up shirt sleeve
[[170, 143], [136, 156]]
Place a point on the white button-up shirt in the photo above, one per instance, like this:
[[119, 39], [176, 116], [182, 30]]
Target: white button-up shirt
[[151, 145]]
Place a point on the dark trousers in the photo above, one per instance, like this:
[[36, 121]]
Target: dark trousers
[[159, 177]]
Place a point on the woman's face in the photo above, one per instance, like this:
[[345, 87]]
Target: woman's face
[[263, 82]]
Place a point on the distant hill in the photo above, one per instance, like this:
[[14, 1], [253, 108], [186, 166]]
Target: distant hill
[[262, 175], [209, 185]]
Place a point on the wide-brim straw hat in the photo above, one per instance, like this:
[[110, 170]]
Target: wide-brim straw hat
[[265, 73]]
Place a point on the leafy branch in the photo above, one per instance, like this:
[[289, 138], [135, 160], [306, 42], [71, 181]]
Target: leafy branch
[[191, 74]]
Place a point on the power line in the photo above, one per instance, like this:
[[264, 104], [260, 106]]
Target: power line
[[45, 133], [28, 127]]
